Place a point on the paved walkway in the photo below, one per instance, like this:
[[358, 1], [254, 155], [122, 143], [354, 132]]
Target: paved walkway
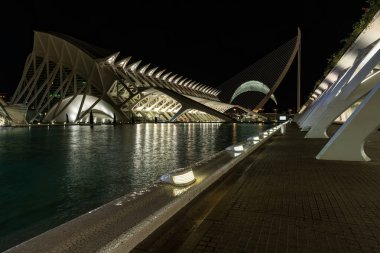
[[281, 199]]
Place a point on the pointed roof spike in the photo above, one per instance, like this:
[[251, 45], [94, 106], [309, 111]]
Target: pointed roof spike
[[144, 68], [192, 84], [204, 88], [208, 90], [123, 62], [134, 66], [195, 86], [110, 59], [158, 75], [151, 72], [172, 77], [187, 83], [182, 81], [176, 80], [166, 76], [199, 87]]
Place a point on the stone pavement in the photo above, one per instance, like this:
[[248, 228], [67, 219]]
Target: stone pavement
[[281, 199]]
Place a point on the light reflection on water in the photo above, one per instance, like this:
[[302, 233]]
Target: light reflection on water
[[51, 175]]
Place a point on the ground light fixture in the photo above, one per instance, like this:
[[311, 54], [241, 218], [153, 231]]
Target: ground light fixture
[[254, 139], [236, 149], [180, 177]]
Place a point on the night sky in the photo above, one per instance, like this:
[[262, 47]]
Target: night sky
[[207, 41]]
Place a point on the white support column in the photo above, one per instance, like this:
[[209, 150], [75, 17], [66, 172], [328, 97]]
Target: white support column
[[178, 113], [338, 106], [320, 105], [305, 124], [347, 144], [349, 90]]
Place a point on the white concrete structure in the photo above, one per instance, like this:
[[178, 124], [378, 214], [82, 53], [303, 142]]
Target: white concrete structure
[[348, 94], [348, 142], [265, 76], [11, 115], [252, 86], [63, 75]]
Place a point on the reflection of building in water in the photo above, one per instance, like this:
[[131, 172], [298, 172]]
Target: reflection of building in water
[[64, 79], [12, 114]]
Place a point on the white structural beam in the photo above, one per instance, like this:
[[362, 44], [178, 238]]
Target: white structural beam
[[314, 112], [346, 92], [368, 36], [348, 143]]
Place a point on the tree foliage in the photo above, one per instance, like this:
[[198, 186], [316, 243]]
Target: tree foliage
[[358, 27]]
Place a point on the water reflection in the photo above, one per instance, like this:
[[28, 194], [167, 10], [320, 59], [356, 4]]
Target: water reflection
[[48, 176], [234, 133]]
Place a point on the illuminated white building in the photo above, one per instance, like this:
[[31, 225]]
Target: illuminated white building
[[64, 79]]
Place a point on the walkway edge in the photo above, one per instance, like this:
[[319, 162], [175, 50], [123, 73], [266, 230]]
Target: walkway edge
[[130, 239]]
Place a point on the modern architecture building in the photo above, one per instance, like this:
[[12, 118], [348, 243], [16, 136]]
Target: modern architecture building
[[64, 79]]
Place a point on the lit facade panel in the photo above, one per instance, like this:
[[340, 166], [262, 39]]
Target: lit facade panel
[[68, 110]]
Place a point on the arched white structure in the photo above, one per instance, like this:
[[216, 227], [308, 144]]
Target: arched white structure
[[270, 70], [252, 86], [102, 110]]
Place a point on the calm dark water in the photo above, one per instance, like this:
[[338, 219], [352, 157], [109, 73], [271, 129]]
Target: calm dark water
[[51, 175]]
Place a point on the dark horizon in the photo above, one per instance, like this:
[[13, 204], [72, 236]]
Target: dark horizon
[[207, 43]]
